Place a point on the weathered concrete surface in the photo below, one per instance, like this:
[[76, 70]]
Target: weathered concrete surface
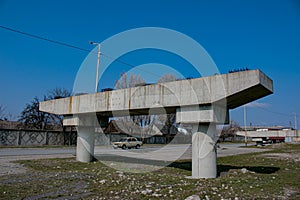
[[204, 153], [202, 114], [85, 143], [237, 88]]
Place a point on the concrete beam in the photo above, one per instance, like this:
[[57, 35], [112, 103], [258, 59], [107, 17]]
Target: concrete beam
[[86, 120], [235, 89], [202, 114]]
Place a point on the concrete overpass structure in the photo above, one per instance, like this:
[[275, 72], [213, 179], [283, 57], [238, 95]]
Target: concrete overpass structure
[[200, 102]]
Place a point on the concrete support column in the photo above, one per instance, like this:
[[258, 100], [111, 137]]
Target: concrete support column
[[85, 143], [203, 120], [204, 155], [86, 125]]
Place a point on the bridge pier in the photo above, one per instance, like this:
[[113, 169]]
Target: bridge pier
[[85, 125], [85, 143], [203, 120], [204, 154]]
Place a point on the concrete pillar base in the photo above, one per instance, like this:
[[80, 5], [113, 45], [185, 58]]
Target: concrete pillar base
[[204, 155], [85, 144]]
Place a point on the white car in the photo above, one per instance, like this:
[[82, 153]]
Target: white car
[[128, 142]]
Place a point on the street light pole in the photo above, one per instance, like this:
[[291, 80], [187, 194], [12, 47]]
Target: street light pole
[[295, 126], [295, 119], [245, 123], [98, 65]]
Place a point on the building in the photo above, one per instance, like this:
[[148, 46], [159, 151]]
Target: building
[[272, 134]]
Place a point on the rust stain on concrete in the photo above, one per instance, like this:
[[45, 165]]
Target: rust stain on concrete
[[70, 104]]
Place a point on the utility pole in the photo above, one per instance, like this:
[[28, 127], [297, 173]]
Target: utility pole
[[295, 126], [98, 65], [295, 118], [245, 123]]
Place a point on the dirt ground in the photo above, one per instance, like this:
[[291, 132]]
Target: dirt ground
[[67, 178], [7, 166]]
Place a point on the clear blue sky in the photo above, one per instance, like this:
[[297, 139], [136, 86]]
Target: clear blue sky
[[258, 34]]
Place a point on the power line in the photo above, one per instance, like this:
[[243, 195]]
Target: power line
[[274, 112], [72, 46], [43, 38], [295, 121]]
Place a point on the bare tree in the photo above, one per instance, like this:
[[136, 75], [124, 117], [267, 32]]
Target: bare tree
[[127, 82], [57, 93], [167, 78], [33, 118], [2, 112], [6, 116], [230, 131]]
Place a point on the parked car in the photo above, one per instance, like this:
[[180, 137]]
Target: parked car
[[128, 142]]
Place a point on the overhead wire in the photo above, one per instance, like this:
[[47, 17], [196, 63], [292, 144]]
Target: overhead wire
[[43, 38], [274, 112], [74, 47]]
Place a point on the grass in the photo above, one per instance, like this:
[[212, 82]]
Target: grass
[[247, 176]]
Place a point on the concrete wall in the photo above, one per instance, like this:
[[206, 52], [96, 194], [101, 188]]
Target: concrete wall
[[36, 138], [10, 137]]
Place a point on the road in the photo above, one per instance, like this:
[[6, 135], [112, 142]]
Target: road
[[166, 153], [172, 152], [35, 151]]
